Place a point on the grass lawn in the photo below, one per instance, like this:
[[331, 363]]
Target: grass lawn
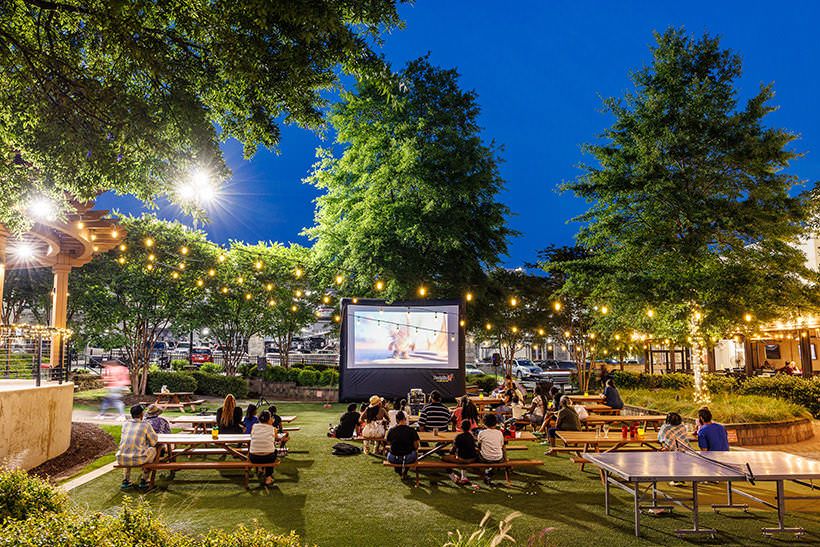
[[347, 501]]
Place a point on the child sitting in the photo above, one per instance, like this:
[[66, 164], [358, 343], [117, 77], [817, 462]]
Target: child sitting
[[463, 451], [250, 418], [491, 445]]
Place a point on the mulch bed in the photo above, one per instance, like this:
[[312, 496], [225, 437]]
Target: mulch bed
[[88, 442]]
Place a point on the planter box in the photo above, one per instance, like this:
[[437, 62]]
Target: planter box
[[85, 382], [290, 391], [752, 433]]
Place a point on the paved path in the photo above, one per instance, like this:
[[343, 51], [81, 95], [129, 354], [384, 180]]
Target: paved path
[[809, 448]]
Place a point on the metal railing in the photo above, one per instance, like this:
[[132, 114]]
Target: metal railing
[[25, 353]]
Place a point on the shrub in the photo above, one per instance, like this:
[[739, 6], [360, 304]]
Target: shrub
[[212, 368], [293, 374], [720, 384], [308, 377], [791, 388], [485, 382], [329, 378], [276, 373], [179, 364], [22, 496], [176, 381], [247, 370], [677, 380], [219, 386], [81, 371], [625, 379]]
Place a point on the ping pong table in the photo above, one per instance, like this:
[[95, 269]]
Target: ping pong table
[[636, 468]]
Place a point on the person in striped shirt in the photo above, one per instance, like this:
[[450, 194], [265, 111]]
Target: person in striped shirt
[[673, 435], [137, 446], [434, 415]]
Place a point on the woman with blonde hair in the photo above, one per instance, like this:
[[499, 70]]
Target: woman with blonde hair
[[229, 417]]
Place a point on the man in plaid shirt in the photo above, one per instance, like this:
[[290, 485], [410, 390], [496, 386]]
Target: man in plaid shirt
[[136, 446]]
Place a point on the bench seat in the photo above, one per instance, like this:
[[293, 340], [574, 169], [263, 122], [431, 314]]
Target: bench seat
[[438, 464], [218, 465]]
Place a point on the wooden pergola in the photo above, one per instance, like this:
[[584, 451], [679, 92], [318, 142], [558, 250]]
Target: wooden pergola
[[60, 245]]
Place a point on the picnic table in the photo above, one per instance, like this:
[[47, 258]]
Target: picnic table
[[201, 423], [178, 400], [581, 399], [598, 408], [447, 437], [225, 443], [591, 441], [649, 419]]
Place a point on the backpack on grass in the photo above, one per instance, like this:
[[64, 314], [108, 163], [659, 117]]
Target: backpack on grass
[[344, 449]]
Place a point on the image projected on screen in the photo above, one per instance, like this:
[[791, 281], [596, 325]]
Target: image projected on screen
[[396, 337]]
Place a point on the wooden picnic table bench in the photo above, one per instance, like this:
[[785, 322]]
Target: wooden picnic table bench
[[581, 399], [176, 399], [655, 420], [438, 464], [201, 423]]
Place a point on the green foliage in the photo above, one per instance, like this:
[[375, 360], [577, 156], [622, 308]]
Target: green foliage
[[179, 364], [26, 289], [176, 381], [308, 377], [219, 385], [134, 526], [276, 373], [81, 371], [720, 384], [293, 374], [329, 378], [413, 198], [789, 388], [247, 370], [725, 407], [135, 96], [23, 496], [212, 368], [677, 380], [692, 208], [485, 382]]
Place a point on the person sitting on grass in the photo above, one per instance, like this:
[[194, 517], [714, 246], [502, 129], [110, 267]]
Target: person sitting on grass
[[250, 418], [612, 398], [404, 444], [137, 446], [263, 444], [229, 416], [434, 415], [491, 445], [711, 436], [347, 423], [673, 435], [566, 420], [283, 436], [464, 451]]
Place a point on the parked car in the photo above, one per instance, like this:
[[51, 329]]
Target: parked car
[[471, 369], [524, 369], [559, 372], [201, 355]]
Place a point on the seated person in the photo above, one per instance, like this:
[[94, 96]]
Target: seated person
[[517, 408], [566, 420], [152, 416], [404, 444], [612, 398], [347, 423], [464, 451], [262, 447], [391, 414], [374, 418], [673, 435], [491, 445], [250, 418], [466, 410], [711, 436], [538, 408], [229, 417], [137, 446], [434, 415], [282, 436]]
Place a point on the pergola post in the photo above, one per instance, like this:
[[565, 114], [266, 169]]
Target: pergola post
[[805, 353], [711, 366], [59, 308], [748, 357], [3, 240], [672, 357]]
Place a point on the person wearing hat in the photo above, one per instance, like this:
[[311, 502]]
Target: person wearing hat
[[373, 418], [137, 446], [152, 416]]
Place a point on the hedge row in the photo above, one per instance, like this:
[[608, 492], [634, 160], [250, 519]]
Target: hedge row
[[302, 376], [804, 392], [32, 512], [198, 382]]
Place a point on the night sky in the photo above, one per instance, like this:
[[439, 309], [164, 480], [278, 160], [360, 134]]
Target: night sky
[[539, 71]]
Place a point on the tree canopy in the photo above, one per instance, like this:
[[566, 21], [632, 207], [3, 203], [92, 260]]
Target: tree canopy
[[132, 96], [412, 200], [692, 225]]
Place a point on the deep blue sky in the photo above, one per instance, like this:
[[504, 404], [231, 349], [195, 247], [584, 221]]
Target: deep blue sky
[[540, 71]]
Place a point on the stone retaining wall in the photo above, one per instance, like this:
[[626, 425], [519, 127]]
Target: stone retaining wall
[[291, 391], [85, 382], [753, 433]]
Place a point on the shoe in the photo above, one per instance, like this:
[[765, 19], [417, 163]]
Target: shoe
[[487, 480], [677, 483], [464, 480], [126, 484], [456, 478]]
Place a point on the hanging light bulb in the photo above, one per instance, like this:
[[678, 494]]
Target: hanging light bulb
[[650, 313], [337, 318], [149, 242], [211, 272], [184, 250], [541, 332], [269, 286], [748, 317], [224, 290], [248, 296], [339, 279], [123, 247], [422, 291], [469, 296], [298, 293], [604, 310], [240, 280], [181, 265], [258, 265], [298, 272], [557, 306], [326, 300], [513, 301], [151, 257], [462, 323], [515, 329], [566, 334], [271, 302], [199, 282], [379, 285], [150, 266], [355, 300], [293, 308], [488, 326], [122, 260], [175, 275]]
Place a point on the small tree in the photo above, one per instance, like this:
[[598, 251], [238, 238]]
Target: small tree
[[132, 293]]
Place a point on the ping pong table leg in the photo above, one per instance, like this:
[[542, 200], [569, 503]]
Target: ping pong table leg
[[781, 513], [606, 491], [637, 495]]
